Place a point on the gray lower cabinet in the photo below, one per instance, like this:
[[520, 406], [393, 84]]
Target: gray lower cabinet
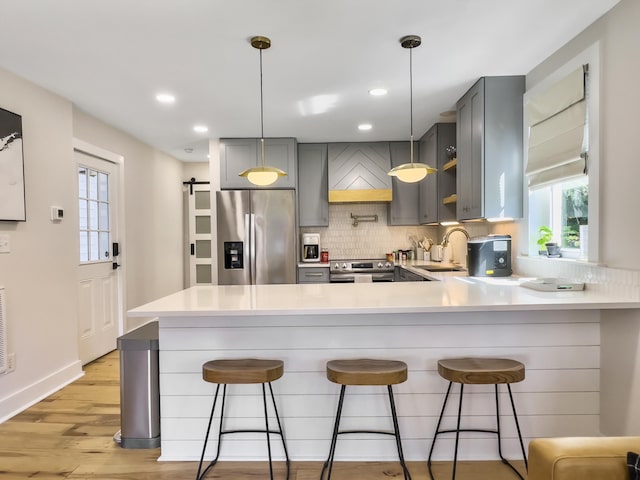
[[313, 178], [434, 189], [403, 209], [313, 274], [489, 143], [238, 154]]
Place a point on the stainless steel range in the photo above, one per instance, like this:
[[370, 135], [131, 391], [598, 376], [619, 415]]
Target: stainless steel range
[[351, 271]]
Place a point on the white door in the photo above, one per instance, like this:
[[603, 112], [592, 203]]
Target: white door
[[98, 307], [199, 247]]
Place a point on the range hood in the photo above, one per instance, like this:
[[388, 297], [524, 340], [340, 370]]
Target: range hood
[[358, 172]]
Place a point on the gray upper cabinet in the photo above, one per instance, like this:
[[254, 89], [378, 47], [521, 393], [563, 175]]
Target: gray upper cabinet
[[238, 154], [489, 143], [358, 172], [403, 209], [313, 178], [428, 187]]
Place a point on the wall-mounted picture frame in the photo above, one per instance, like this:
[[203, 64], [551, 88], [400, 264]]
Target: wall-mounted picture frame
[[12, 194]]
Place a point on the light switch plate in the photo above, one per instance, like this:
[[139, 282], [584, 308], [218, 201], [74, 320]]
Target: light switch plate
[[5, 244]]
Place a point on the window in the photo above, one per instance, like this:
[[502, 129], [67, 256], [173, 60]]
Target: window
[[562, 159], [93, 209], [563, 207]]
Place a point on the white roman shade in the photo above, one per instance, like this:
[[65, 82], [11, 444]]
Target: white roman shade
[[558, 130]]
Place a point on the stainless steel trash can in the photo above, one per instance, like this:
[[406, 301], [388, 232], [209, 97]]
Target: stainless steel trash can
[[139, 388]]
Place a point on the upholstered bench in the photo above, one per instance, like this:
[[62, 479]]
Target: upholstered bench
[[580, 458]]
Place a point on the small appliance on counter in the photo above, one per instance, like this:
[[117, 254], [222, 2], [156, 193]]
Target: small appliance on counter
[[489, 256], [311, 247]]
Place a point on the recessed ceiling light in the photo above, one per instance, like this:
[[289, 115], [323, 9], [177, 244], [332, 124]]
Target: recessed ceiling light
[[201, 128], [365, 126], [166, 98], [378, 92]]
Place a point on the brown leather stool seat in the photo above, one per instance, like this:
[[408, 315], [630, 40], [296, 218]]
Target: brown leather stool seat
[[373, 372], [479, 371], [242, 371]]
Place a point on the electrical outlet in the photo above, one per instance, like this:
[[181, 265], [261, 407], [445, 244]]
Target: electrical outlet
[[11, 358]]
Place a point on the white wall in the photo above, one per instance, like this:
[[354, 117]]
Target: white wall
[[619, 39], [39, 274], [197, 170], [153, 212]]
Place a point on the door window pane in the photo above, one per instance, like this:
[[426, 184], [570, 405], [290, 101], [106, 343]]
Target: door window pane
[[82, 182], [94, 247], [93, 184], [203, 249], [93, 215], [203, 273], [84, 214], [104, 246], [103, 187], [203, 224], [104, 216], [84, 246], [203, 200]]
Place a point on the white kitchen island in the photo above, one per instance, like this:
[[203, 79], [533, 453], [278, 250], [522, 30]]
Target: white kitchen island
[[556, 335]]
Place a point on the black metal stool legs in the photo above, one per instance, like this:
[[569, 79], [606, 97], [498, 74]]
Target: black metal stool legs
[[206, 438], [515, 417], [457, 431], [336, 431], [396, 430], [334, 437], [280, 431], [433, 444], [201, 474]]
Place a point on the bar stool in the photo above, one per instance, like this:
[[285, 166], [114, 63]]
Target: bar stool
[[479, 371], [242, 371], [365, 372]]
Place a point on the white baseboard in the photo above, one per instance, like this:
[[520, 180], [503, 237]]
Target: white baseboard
[[19, 401]]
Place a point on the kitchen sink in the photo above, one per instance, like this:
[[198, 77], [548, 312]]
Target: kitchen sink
[[442, 268]]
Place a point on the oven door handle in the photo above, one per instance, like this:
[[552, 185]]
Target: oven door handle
[[382, 277], [341, 279]]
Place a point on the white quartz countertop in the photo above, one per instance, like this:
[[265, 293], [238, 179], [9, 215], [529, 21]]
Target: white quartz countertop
[[454, 292]]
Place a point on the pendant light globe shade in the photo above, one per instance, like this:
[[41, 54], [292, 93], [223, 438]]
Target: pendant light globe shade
[[411, 172], [262, 175]]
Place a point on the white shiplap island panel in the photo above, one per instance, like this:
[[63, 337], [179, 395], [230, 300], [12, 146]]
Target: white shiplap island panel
[[557, 337]]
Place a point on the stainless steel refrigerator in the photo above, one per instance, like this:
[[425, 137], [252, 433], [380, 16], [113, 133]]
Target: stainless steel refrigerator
[[256, 237]]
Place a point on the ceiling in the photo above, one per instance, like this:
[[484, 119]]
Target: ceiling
[[111, 57]]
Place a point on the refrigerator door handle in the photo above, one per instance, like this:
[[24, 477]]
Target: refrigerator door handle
[[252, 247]]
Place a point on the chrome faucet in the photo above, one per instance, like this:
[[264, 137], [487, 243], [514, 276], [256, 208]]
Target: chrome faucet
[[445, 240]]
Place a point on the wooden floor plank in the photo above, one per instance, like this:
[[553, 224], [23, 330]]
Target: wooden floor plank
[[69, 435]]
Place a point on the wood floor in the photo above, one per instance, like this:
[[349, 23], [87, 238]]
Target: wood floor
[[70, 435]]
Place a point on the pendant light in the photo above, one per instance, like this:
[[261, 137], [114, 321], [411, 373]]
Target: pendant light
[[411, 172], [262, 175]]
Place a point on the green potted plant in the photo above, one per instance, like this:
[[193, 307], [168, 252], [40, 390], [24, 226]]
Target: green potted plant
[[545, 235]]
